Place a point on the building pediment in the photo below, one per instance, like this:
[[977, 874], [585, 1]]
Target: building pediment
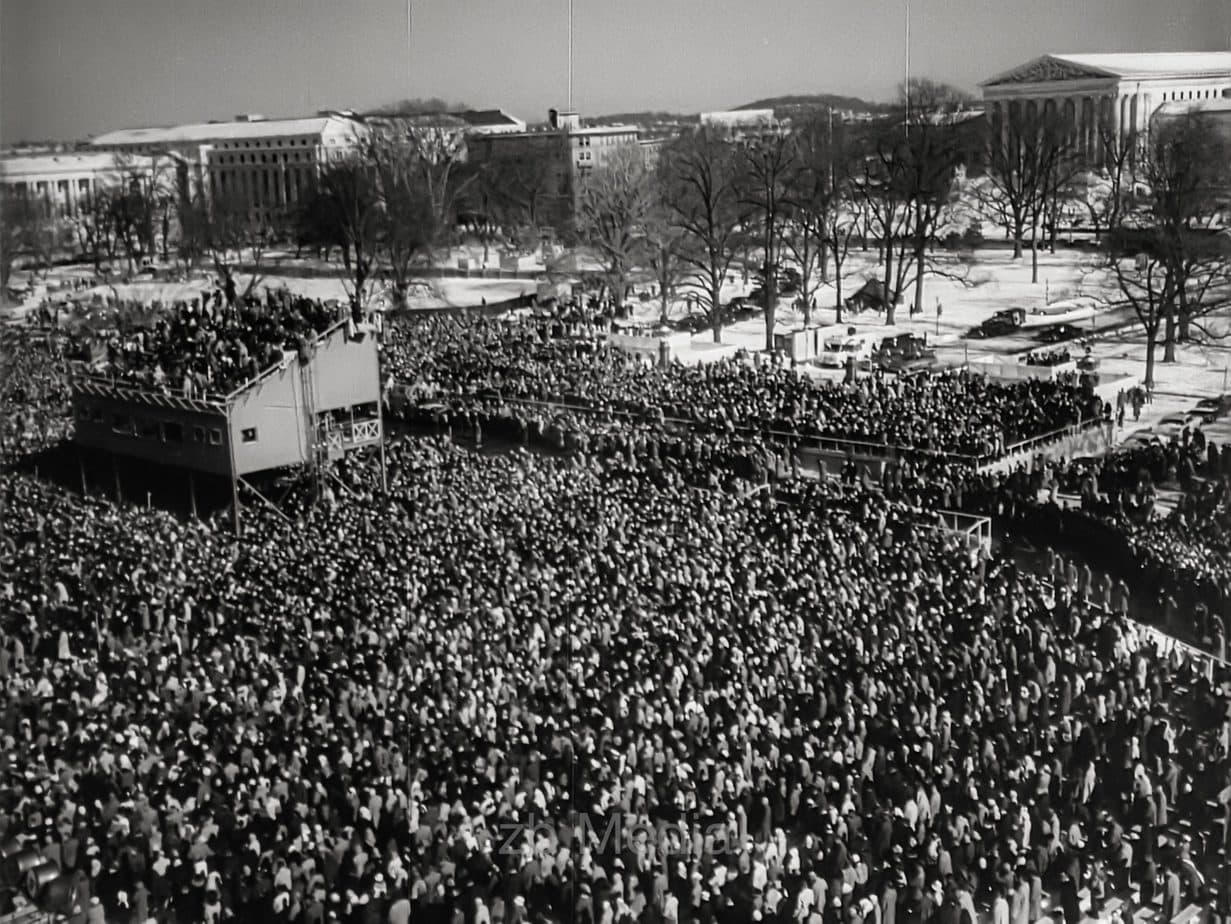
[[1045, 70]]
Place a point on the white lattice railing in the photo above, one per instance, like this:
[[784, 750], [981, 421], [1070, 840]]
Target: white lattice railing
[[365, 431]]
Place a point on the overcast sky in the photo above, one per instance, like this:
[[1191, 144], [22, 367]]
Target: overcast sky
[[72, 68]]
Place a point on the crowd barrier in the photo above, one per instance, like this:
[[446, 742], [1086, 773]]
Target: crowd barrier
[[1088, 438], [1165, 645], [1106, 548]]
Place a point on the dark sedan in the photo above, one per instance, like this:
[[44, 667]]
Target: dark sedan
[[1210, 409], [1059, 334]]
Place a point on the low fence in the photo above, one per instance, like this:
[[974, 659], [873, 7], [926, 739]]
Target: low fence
[[1106, 549], [1164, 644], [1014, 371], [837, 449], [1045, 439], [977, 529]]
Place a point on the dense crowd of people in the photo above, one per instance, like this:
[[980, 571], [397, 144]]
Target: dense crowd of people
[[441, 705], [649, 677], [35, 391], [949, 412], [214, 344]]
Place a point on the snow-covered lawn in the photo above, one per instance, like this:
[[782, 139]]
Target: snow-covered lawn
[[433, 293]]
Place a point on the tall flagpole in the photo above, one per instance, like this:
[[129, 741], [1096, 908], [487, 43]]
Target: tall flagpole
[[570, 55], [907, 85]]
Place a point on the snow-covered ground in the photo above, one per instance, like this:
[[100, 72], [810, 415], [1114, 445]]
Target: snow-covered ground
[[433, 293], [1067, 291]]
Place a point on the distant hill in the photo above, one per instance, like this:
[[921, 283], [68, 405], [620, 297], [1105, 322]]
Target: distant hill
[[803, 102], [412, 107], [642, 118]]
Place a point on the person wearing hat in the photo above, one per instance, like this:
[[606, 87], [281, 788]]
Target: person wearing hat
[[95, 913]]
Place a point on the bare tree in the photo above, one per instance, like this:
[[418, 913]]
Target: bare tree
[[842, 223], [1143, 280], [701, 189], [14, 219], [351, 189], [516, 189], [663, 243], [224, 229], [1187, 169], [29, 226], [615, 202], [907, 185], [812, 199], [766, 166], [95, 228], [421, 175], [1024, 153], [1164, 256], [884, 207], [142, 199], [317, 223]]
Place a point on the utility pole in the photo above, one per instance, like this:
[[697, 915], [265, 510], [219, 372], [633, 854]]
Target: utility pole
[[570, 55], [907, 55]]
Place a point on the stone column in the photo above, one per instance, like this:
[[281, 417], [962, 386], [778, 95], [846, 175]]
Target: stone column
[[1089, 119]]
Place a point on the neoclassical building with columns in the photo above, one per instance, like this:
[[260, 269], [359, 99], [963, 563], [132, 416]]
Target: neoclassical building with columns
[[64, 182], [1108, 93]]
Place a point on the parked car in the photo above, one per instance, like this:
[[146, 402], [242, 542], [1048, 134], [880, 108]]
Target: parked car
[[903, 354], [1000, 324], [839, 350], [1059, 334], [1210, 409], [693, 323], [1172, 424], [1143, 437]]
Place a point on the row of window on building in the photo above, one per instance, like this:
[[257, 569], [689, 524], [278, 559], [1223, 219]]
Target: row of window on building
[[262, 189], [295, 157], [1192, 94], [165, 431]]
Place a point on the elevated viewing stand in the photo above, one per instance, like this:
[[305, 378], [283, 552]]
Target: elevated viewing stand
[[306, 410]]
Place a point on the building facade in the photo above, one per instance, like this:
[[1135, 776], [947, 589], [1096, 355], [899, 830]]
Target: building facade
[[265, 166], [1112, 96], [559, 156], [65, 183]]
